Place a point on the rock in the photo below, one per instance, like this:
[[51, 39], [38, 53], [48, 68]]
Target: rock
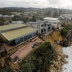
[[2, 62], [62, 63], [65, 56], [59, 57], [65, 62], [54, 62], [52, 65]]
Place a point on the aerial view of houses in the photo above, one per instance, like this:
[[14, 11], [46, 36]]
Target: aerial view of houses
[[35, 36]]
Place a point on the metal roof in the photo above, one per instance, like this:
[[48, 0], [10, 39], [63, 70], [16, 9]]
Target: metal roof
[[36, 22], [17, 22], [10, 26], [10, 35], [50, 18]]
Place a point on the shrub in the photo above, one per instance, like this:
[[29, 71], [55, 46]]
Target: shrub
[[6, 69], [41, 59], [64, 31]]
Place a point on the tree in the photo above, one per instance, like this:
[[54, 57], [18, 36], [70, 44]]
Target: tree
[[1, 21], [60, 12], [28, 67], [55, 14], [33, 18], [49, 13], [25, 19], [64, 31], [41, 59], [6, 69]]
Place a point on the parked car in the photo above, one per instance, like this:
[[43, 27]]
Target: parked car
[[35, 44]]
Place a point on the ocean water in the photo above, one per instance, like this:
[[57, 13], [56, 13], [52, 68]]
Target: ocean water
[[68, 67]]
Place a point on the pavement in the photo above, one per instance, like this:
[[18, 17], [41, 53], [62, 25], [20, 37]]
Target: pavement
[[25, 50]]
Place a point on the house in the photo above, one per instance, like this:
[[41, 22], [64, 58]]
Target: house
[[7, 18], [17, 22], [54, 21], [43, 27], [1, 15], [14, 34], [66, 19]]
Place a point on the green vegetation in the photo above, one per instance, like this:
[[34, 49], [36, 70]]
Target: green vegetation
[[6, 69], [66, 29], [25, 19], [40, 60], [1, 21], [66, 32], [53, 13], [33, 18], [49, 13]]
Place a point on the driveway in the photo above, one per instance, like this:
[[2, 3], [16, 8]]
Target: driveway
[[24, 51]]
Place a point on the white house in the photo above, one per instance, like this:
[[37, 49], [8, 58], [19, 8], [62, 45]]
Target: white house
[[54, 21], [66, 19], [43, 27]]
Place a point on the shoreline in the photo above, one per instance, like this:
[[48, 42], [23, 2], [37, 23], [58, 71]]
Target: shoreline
[[68, 66], [61, 61]]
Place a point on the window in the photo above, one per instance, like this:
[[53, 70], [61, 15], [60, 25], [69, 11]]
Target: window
[[15, 59], [45, 25], [21, 39], [42, 31], [17, 41], [25, 38], [49, 28], [35, 33], [12, 42], [41, 25]]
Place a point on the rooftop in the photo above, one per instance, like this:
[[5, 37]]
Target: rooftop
[[67, 16], [10, 35], [17, 22], [10, 16], [50, 18], [10, 26], [36, 22]]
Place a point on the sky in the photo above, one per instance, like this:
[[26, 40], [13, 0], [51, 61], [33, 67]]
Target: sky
[[66, 4]]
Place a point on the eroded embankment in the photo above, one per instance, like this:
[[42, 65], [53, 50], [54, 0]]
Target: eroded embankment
[[53, 37], [59, 62]]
